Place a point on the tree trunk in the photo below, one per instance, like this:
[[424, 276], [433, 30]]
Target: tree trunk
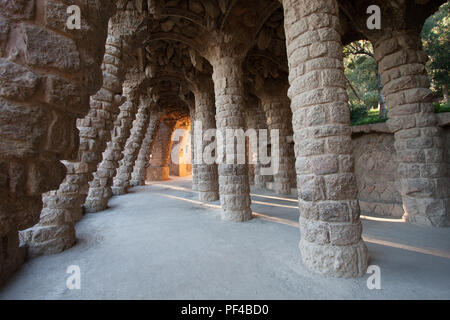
[[445, 92], [354, 90], [381, 99]]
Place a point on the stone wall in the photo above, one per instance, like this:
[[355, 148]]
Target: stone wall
[[376, 174], [47, 74], [376, 169], [181, 166], [447, 148], [159, 163], [444, 122]]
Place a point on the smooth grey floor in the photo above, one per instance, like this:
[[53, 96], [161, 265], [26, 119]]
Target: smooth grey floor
[[159, 242]]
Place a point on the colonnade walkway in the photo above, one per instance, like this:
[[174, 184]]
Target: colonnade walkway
[[160, 242]]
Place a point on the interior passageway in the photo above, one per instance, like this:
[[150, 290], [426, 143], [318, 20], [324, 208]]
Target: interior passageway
[[159, 242]]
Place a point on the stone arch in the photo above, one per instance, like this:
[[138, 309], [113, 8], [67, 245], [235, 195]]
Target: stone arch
[[180, 159], [173, 12], [170, 120], [175, 38]]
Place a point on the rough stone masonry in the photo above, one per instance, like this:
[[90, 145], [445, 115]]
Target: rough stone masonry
[[89, 111]]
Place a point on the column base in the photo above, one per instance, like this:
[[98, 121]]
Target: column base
[[44, 240], [158, 173], [137, 183], [208, 196], [237, 215], [336, 261], [282, 188], [95, 205], [98, 199], [77, 214], [118, 191]]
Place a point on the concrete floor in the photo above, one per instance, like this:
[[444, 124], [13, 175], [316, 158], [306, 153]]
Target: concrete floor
[[158, 242]]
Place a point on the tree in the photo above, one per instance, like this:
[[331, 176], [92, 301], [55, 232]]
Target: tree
[[365, 48], [364, 81], [436, 43]]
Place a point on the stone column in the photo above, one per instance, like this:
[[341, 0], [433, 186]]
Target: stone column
[[256, 119], [424, 180], [47, 74], [143, 160], [63, 207], [194, 165], [331, 242], [234, 185], [291, 156], [159, 165], [100, 187], [276, 104], [251, 167], [132, 147], [205, 115]]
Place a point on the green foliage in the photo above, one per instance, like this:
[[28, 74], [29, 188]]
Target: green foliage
[[444, 107], [372, 116], [357, 113], [436, 43], [361, 72]]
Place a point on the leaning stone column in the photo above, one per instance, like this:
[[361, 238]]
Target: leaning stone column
[[47, 74], [132, 147], [205, 115], [63, 207], [331, 242], [425, 185], [159, 165], [234, 185], [143, 160], [100, 187], [276, 105], [192, 114]]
